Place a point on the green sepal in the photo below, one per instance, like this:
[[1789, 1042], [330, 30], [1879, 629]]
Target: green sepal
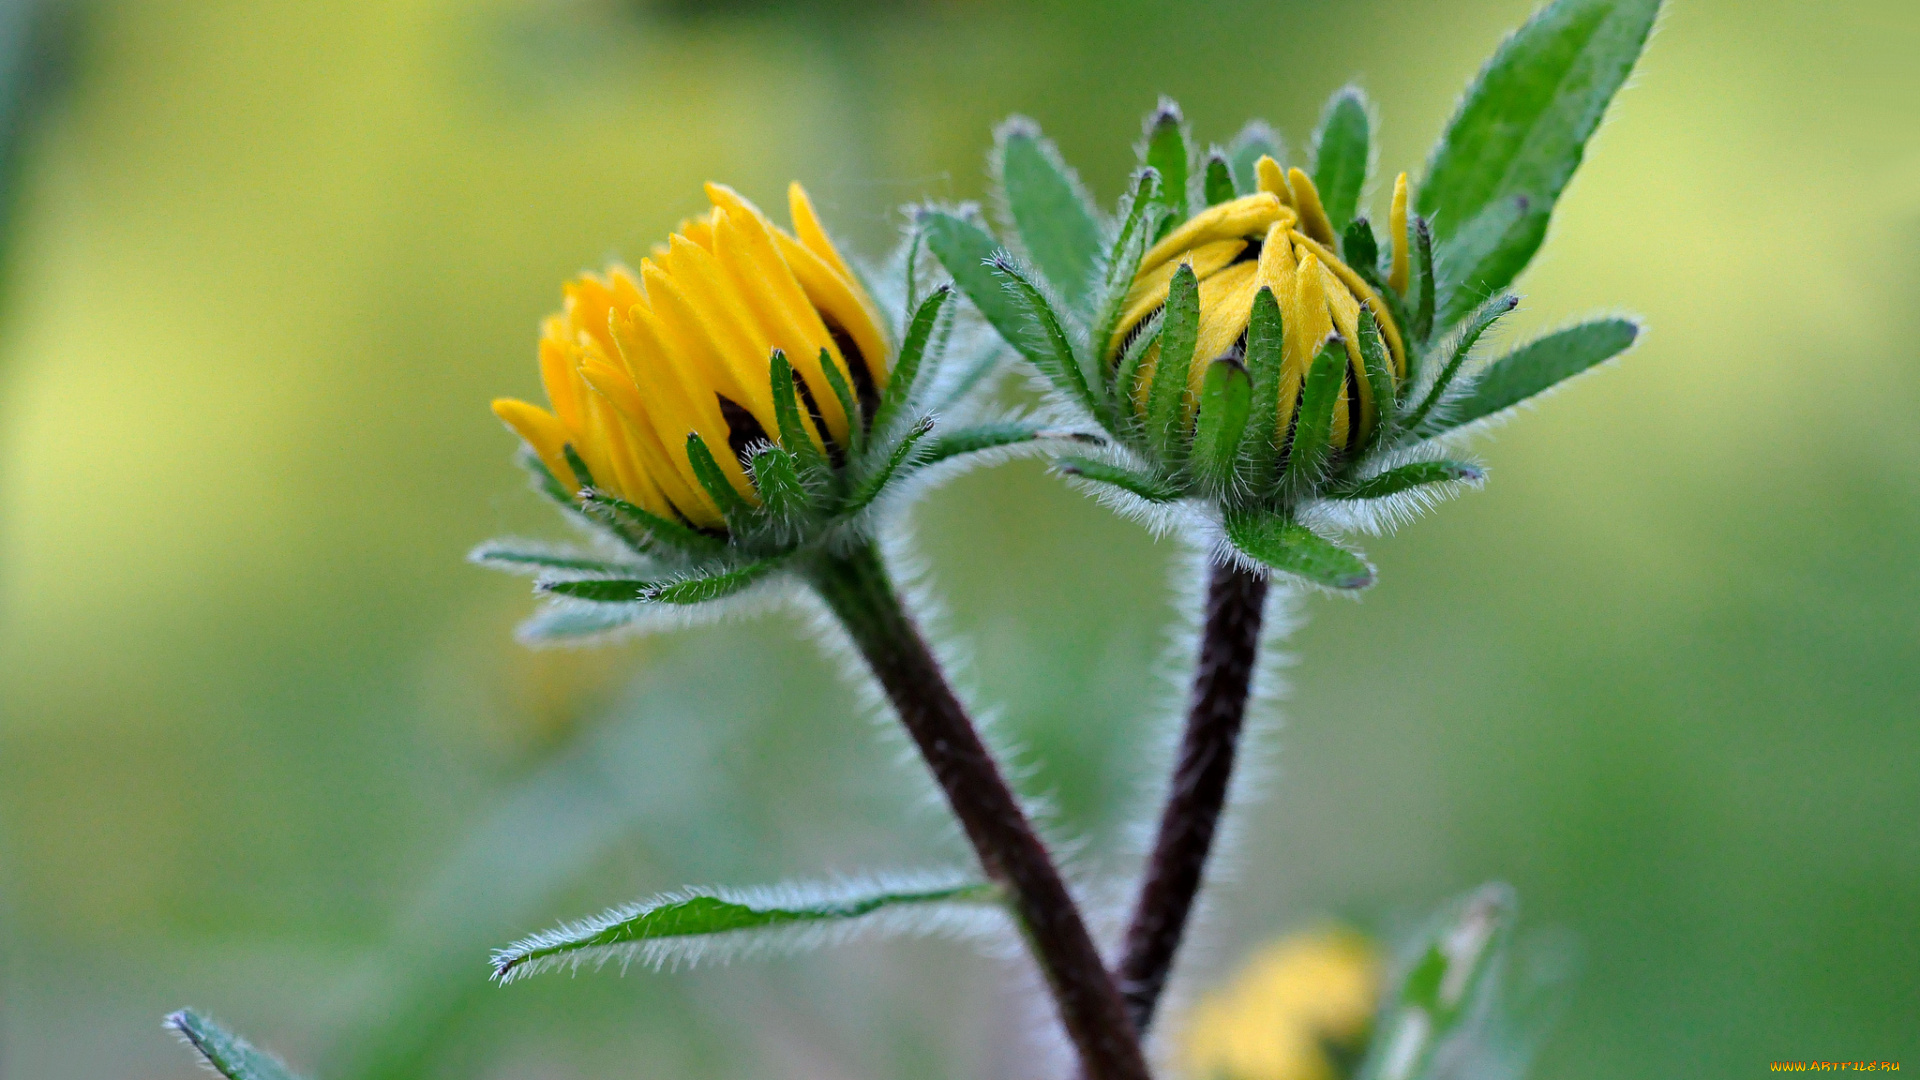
[[1290, 547], [796, 436], [696, 914], [1226, 399], [776, 476], [1380, 378], [1483, 318], [966, 251], [631, 521], [1049, 209], [706, 470], [1168, 154], [1138, 223], [1265, 356], [1343, 155], [871, 487], [1126, 370], [687, 590], [1150, 488], [911, 267], [1219, 179], [907, 366], [516, 556], [1307, 455], [849, 404], [226, 1053], [1521, 131], [1254, 142], [993, 436], [1360, 249], [578, 465], [1538, 366], [543, 479], [1051, 349], [1166, 398], [1406, 477], [1423, 284]]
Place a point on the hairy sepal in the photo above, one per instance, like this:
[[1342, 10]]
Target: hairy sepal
[[1277, 541], [224, 1052]]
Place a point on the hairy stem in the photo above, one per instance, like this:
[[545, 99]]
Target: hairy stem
[[856, 587], [1216, 712]]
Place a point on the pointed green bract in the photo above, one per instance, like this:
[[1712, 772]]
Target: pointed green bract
[[515, 555], [1168, 155], [578, 464], [1126, 371], [631, 519], [603, 590], [1308, 453], [699, 590], [1254, 142], [871, 487], [1265, 338], [1167, 397], [1521, 131], [1342, 155], [1218, 184], [856, 419], [1539, 365], [966, 251], [1049, 208], [1408, 477], [776, 476], [1293, 548], [913, 350], [1226, 397], [795, 436], [647, 931], [1147, 487], [1138, 224], [1361, 249], [970, 440], [1423, 284], [1380, 378], [1488, 314], [230, 1055], [732, 506], [1049, 347]]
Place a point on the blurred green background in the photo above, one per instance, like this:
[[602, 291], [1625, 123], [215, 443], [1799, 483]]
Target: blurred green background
[[268, 749]]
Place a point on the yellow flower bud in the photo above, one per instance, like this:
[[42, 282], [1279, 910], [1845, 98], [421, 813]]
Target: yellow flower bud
[[635, 362], [1277, 238], [1277, 1017]]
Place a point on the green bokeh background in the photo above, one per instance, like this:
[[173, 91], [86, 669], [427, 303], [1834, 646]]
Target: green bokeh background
[[267, 748]]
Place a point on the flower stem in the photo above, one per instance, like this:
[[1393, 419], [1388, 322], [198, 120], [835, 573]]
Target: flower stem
[[1216, 713], [856, 587]]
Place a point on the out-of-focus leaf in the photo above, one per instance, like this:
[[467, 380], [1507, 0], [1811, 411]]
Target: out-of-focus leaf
[[1218, 184], [1342, 155], [686, 927], [1254, 142], [1049, 208], [228, 1054], [533, 557], [966, 251], [1448, 993]]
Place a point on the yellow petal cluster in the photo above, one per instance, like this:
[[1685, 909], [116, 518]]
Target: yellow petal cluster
[[1277, 238], [1276, 1018], [636, 361]]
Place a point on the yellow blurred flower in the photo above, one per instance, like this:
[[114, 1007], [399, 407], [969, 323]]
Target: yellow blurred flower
[[1277, 1018], [635, 363], [1278, 238]]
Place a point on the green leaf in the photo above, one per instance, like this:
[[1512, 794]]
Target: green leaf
[[911, 264], [1219, 179], [632, 520], [776, 476], [1254, 142], [1312, 431], [1050, 350], [1049, 209], [230, 1055], [907, 367], [1522, 129], [1407, 477], [688, 590], [1539, 365], [685, 927], [970, 440], [1451, 992], [796, 436], [523, 555], [873, 485], [1342, 155], [1265, 340], [1146, 487], [733, 507], [1488, 314], [1380, 377], [856, 418], [1179, 332], [1289, 546], [571, 622], [1422, 282], [967, 251], [1139, 221], [1226, 398], [1361, 249], [1168, 154]]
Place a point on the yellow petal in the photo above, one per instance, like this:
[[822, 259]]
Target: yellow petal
[[616, 455], [1149, 290], [841, 303], [1389, 329], [1226, 304], [1346, 318], [558, 357], [1397, 278], [1313, 216], [1308, 324], [648, 444], [1236, 219], [678, 408], [1270, 177], [542, 433], [867, 336], [1277, 270], [684, 336]]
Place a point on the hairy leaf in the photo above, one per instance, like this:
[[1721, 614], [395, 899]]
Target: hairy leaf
[[1291, 547], [1166, 398], [1254, 142], [1226, 398], [776, 476], [796, 433], [1539, 365], [1138, 223], [229, 1055], [913, 350], [688, 590], [1050, 349], [1488, 314], [733, 507], [871, 487], [1168, 154], [856, 420], [1407, 477], [1450, 988], [1342, 155], [1136, 483], [680, 928], [1049, 208], [632, 520], [1381, 380], [1361, 249]]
